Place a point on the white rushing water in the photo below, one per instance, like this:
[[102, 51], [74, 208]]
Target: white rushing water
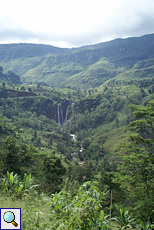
[[73, 136], [62, 117], [58, 113]]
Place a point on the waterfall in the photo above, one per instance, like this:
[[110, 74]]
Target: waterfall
[[73, 136], [58, 112], [66, 115], [62, 117]]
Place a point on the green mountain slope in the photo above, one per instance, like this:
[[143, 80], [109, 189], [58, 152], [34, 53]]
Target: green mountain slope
[[10, 77], [120, 58], [94, 75], [14, 51], [37, 123]]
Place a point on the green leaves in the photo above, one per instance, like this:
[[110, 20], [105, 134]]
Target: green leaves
[[52, 171], [15, 156], [10, 178], [136, 162], [123, 218], [102, 215], [12, 183], [26, 180], [147, 225], [80, 211], [145, 117]]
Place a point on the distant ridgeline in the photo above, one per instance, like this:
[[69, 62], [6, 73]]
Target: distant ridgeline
[[84, 67], [10, 77]]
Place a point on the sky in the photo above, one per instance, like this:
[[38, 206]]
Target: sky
[[74, 23]]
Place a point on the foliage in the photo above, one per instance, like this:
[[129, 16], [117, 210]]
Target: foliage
[[33, 143], [13, 185], [71, 186], [84, 67], [52, 172], [15, 157], [81, 211], [147, 225], [136, 162], [123, 219]]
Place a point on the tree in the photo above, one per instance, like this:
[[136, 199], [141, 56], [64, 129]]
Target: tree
[[107, 181], [136, 161], [9, 156], [15, 157], [53, 170], [29, 89], [23, 88]]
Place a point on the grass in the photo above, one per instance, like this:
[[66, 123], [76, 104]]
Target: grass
[[35, 211], [113, 137], [20, 65], [93, 75]]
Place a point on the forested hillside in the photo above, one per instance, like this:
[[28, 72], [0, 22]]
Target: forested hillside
[[80, 155], [84, 67]]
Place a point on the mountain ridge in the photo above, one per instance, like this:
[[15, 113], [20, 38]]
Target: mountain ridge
[[64, 67]]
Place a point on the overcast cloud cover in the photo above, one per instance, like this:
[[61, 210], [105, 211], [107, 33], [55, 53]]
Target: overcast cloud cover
[[74, 23]]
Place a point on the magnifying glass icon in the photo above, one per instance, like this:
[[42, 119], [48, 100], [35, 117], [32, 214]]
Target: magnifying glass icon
[[9, 217]]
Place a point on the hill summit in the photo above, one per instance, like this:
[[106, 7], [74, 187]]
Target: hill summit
[[84, 67]]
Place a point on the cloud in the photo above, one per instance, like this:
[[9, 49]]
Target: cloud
[[74, 23]]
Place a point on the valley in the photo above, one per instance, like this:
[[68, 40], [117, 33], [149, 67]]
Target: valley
[[80, 122]]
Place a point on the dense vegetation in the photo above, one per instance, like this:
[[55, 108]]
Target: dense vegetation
[[84, 67], [32, 143], [80, 158]]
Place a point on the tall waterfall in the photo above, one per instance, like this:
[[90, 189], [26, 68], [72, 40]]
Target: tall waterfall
[[58, 112], [61, 115], [66, 115]]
